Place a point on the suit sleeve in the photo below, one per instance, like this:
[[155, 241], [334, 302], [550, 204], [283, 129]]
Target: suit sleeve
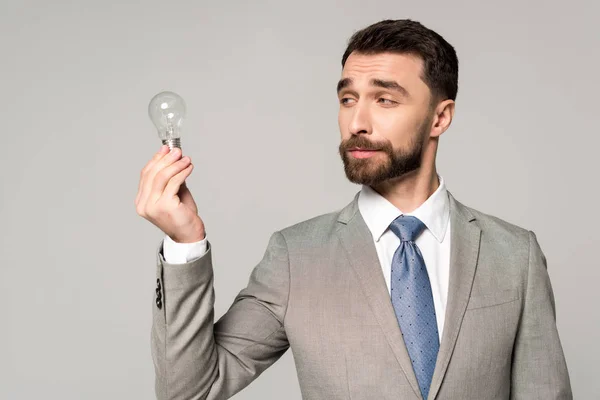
[[195, 358], [539, 369]]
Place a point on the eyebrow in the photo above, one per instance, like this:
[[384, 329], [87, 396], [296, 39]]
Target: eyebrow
[[392, 85]]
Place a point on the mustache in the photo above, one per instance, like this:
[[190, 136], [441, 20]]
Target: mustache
[[363, 144]]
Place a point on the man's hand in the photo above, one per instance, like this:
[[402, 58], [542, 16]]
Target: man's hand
[[164, 199]]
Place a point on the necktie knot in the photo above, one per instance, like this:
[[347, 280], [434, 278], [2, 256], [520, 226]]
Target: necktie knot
[[407, 227]]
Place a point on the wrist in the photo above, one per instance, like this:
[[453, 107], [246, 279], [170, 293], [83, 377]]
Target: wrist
[[195, 235]]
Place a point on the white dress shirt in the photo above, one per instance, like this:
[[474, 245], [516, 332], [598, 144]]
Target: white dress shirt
[[434, 242], [180, 253], [378, 214]]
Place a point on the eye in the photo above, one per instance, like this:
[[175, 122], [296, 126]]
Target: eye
[[345, 100], [386, 101]]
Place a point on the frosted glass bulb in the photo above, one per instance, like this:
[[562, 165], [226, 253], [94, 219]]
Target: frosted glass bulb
[[167, 110]]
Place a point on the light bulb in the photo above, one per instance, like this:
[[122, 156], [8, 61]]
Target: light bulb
[[167, 110]]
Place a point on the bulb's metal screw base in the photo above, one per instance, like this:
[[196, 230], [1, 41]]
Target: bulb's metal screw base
[[172, 143]]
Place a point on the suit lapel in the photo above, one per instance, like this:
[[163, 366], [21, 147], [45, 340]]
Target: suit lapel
[[357, 242], [464, 252], [362, 256]]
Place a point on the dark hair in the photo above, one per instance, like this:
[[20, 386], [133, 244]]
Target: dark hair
[[404, 36]]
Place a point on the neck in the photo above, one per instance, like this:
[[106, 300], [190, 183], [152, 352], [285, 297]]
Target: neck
[[410, 190]]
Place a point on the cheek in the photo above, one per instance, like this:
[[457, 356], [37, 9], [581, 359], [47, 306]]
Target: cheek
[[395, 124], [343, 121]]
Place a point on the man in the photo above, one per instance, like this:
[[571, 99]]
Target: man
[[405, 293]]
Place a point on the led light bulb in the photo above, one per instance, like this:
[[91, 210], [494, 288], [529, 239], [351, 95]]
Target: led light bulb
[[167, 110]]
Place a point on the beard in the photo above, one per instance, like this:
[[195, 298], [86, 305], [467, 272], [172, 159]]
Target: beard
[[386, 164]]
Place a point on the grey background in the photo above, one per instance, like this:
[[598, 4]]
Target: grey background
[[259, 80]]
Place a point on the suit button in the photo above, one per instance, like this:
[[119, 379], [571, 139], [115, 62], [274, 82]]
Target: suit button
[[158, 283], [158, 303], [158, 292]]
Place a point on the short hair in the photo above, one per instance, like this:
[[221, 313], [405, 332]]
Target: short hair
[[405, 36]]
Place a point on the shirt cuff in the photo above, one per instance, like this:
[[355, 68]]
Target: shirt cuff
[[181, 253]]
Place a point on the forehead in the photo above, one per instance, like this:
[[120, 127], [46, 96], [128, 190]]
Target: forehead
[[403, 68]]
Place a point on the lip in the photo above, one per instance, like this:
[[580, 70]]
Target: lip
[[357, 153]]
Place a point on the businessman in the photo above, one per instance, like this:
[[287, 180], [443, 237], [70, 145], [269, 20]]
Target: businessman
[[403, 293]]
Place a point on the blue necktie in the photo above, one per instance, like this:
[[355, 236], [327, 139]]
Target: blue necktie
[[413, 301]]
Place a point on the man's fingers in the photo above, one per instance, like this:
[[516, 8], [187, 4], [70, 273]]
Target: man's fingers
[[162, 178], [148, 181], [176, 181], [164, 149]]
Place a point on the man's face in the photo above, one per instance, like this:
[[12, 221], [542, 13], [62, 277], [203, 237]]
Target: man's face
[[385, 108]]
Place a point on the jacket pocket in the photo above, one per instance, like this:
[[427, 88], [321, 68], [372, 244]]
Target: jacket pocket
[[493, 299]]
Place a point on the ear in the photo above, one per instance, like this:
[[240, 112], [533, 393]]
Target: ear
[[442, 118]]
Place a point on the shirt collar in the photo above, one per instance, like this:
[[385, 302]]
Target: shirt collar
[[379, 213]]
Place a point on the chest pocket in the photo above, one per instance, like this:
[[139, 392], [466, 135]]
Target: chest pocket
[[493, 299]]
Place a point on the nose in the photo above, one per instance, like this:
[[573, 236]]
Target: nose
[[360, 121]]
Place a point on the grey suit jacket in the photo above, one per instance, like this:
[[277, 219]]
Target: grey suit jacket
[[319, 289]]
